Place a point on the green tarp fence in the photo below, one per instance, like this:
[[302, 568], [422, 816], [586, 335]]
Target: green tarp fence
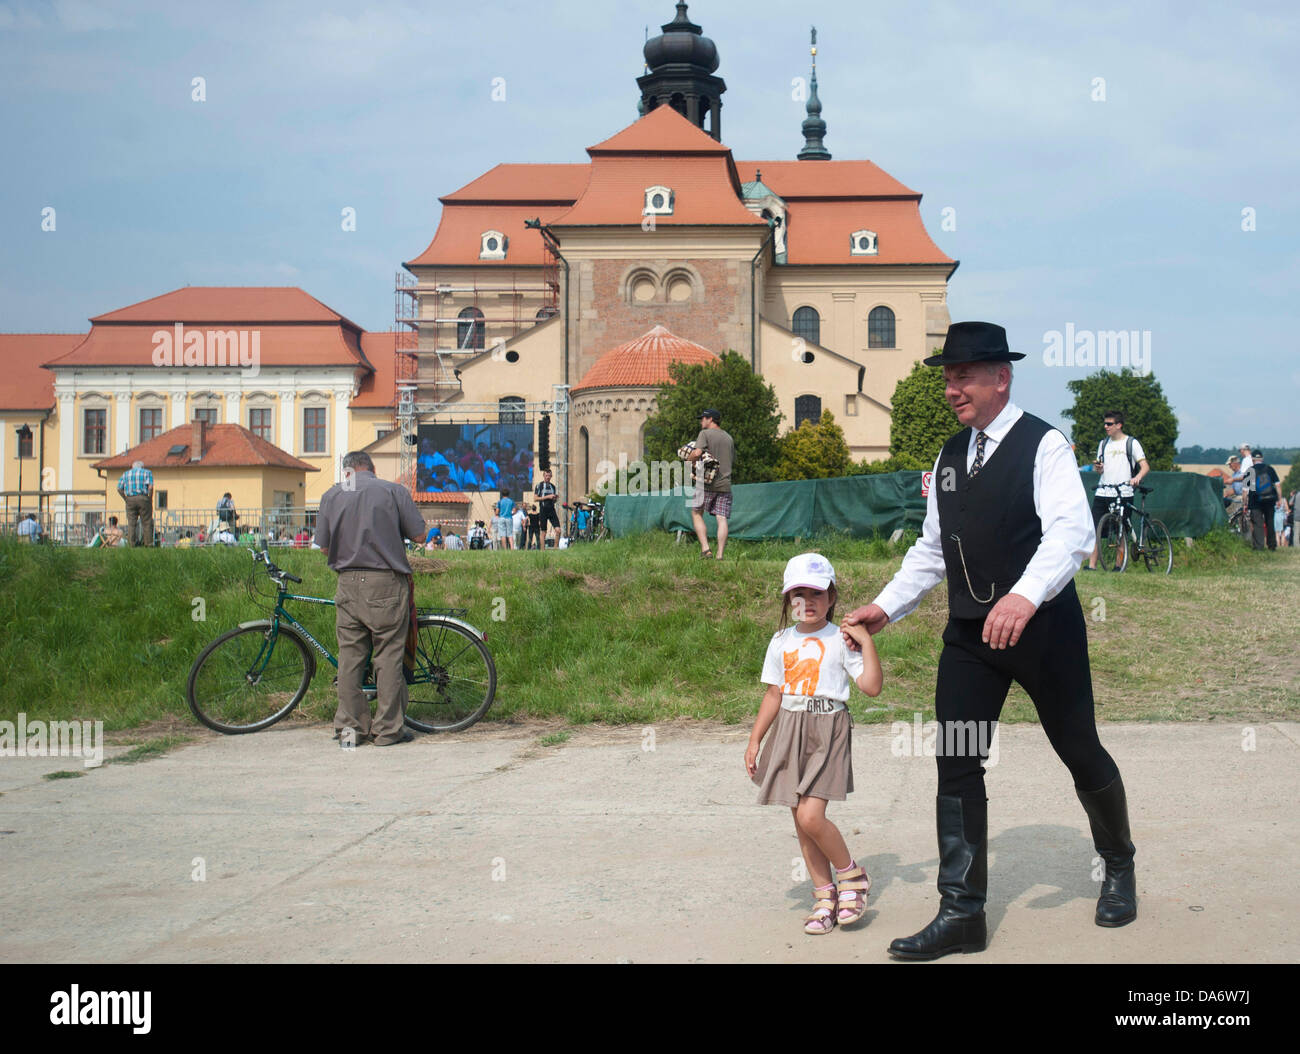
[[1187, 503]]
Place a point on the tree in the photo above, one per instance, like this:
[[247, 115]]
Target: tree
[[748, 407], [922, 420], [1147, 415], [814, 451]]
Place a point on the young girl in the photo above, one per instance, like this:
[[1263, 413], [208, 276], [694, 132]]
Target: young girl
[[808, 671]]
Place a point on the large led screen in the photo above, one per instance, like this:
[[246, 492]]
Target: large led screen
[[474, 457]]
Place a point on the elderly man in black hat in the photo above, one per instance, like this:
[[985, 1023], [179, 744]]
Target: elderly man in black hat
[[1008, 524]]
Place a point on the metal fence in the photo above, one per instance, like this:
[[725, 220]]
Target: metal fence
[[278, 526]]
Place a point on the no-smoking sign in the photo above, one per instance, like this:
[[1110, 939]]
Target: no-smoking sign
[[927, 480]]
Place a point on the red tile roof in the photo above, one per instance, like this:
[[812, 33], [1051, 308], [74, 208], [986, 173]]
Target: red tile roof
[[377, 388], [278, 344], [703, 192], [228, 304], [446, 497], [818, 232], [828, 200], [535, 184], [224, 446], [643, 361], [662, 131], [24, 385], [459, 236], [825, 179]]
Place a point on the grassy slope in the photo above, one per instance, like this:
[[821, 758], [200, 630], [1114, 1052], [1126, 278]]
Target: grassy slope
[[636, 631]]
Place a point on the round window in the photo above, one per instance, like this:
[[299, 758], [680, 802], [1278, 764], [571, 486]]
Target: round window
[[512, 355], [658, 201], [862, 243], [492, 244]]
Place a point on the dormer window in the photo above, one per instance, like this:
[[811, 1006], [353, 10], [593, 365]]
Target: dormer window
[[658, 202], [494, 245], [863, 243]]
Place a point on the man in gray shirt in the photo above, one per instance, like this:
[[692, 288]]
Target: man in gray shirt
[[361, 526], [715, 497]]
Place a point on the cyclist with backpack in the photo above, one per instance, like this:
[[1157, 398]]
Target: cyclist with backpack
[[1123, 464]]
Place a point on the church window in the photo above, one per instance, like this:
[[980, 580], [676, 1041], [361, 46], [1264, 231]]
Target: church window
[[880, 328], [863, 243], [469, 335], [807, 323], [659, 201], [494, 245], [807, 408]]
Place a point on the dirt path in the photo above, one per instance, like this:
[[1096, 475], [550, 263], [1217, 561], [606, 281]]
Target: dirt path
[[620, 845]]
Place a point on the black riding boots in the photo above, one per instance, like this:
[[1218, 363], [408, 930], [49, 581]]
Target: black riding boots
[[1107, 811], [963, 883]]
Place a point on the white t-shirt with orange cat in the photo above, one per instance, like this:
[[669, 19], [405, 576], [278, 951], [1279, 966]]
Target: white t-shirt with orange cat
[[815, 671]]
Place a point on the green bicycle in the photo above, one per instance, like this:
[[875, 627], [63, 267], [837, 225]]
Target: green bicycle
[[254, 675], [1128, 533]]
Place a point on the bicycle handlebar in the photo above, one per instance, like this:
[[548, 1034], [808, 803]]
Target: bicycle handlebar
[[275, 572]]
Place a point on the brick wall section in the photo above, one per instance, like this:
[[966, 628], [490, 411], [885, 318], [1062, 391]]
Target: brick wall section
[[717, 318]]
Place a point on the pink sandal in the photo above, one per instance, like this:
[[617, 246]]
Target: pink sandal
[[854, 886], [822, 919]]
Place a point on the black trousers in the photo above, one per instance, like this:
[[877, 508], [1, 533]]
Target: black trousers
[[1050, 662]]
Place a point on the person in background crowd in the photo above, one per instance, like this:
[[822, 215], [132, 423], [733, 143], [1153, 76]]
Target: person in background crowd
[[454, 541], [1233, 485], [302, 539], [136, 488], [112, 534], [503, 524], [226, 510], [519, 527], [1263, 489], [1123, 465], [186, 542], [29, 529], [715, 498], [544, 492]]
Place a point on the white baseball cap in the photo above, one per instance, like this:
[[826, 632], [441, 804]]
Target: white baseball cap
[[808, 569]]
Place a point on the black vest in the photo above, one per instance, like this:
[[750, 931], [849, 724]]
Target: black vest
[[994, 516]]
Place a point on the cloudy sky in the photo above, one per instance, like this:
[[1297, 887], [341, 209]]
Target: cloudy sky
[[1102, 162]]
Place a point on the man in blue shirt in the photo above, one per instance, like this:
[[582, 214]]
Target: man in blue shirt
[[136, 488]]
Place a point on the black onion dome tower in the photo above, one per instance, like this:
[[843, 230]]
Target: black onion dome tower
[[814, 128], [681, 64]]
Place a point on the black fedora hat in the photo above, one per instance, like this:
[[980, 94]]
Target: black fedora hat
[[974, 342]]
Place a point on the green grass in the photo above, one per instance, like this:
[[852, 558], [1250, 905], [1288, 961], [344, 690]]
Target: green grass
[[637, 631], [554, 739], [63, 774]]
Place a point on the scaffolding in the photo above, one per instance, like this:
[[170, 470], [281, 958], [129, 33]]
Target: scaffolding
[[446, 317]]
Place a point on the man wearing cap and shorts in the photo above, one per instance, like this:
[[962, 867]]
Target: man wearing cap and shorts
[[713, 498], [1007, 523]]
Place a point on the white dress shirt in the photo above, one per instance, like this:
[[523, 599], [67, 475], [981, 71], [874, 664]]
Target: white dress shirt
[[1059, 500]]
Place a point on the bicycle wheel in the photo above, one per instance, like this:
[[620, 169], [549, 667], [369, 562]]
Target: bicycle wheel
[[1158, 549], [1112, 543], [455, 677], [244, 681]]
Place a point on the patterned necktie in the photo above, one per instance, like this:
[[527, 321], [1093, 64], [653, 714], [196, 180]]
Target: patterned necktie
[[978, 463]]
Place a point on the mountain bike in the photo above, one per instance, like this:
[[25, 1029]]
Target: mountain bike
[[1128, 533], [586, 522], [254, 675]]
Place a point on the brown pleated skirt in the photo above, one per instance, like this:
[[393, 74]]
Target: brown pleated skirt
[[806, 754]]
